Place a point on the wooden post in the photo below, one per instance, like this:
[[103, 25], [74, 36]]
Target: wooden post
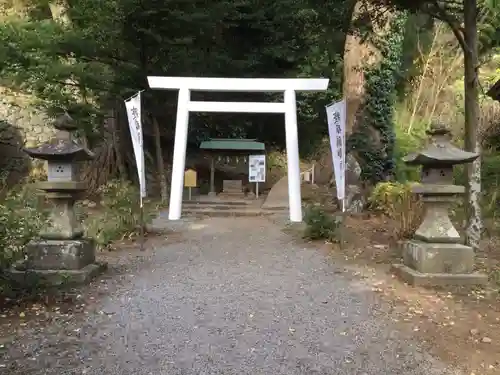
[[159, 162], [212, 176]]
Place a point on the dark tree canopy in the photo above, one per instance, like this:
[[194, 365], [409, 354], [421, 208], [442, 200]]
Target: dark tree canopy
[[105, 49]]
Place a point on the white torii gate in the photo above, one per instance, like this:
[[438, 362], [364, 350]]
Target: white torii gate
[[185, 105]]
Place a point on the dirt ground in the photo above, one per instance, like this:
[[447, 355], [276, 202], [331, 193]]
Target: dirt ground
[[459, 325], [260, 302], [65, 303]]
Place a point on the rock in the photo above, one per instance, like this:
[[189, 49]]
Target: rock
[[19, 127], [355, 199], [474, 331], [486, 340]]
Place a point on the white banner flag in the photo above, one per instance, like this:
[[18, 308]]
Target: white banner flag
[[336, 117], [133, 106]]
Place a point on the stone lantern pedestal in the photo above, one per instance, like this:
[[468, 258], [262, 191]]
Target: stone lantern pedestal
[[61, 255], [435, 255]]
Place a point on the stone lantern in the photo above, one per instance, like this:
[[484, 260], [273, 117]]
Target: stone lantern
[[62, 254], [435, 255]]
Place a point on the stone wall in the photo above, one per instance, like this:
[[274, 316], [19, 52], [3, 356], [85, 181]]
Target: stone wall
[[21, 125]]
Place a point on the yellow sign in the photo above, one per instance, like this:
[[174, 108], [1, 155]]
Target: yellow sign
[[190, 178]]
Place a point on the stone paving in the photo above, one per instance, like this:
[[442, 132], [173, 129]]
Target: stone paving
[[234, 296]]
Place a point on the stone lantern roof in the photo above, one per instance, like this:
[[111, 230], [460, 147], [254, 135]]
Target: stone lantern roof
[[440, 151], [62, 147]]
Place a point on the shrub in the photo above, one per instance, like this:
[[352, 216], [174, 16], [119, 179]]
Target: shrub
[[119, 214], [21, 219], [405, 144], [490, 180], [276, 167], [276, 160], [397, 201], [320, 225]]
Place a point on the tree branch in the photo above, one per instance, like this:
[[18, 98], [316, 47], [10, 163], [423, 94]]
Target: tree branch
[[452, 22]]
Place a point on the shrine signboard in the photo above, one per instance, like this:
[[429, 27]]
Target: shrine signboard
[[257, 168], [190, 178]]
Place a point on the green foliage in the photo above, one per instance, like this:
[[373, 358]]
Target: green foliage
[[34, 60], [276, 161], [21, 218], [386, 197], [417, 41], [119, 216], [406, 143], [108, 48], [326, 25], [490, 169], [397, 201], [374, 137], [451, 12], [490, 180], [320, 225]]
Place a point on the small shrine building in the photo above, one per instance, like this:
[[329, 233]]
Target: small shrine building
[[235, 152]]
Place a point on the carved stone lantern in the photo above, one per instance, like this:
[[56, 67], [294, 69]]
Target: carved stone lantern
[[435, 255], [62, 254]]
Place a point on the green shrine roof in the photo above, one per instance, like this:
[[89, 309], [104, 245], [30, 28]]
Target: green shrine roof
[[232, 144]]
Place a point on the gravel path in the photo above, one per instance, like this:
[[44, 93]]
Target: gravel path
[[236, 296]]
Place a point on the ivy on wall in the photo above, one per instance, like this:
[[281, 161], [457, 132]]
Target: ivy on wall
[[373, 137]]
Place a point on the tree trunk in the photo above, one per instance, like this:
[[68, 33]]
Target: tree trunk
[[159, 162], [355, 53], [113, 128], [59, 10], [471, 109]]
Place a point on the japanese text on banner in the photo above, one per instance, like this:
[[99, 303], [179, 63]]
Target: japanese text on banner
[[133, 106], [336, 117]]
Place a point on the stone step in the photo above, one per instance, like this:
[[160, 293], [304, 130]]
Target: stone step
[[209, 211], [216, 202], [275, 208], [232, 196], [219, 207]]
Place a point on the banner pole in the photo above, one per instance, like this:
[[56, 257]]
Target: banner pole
[[141, 223], [342, 225]]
